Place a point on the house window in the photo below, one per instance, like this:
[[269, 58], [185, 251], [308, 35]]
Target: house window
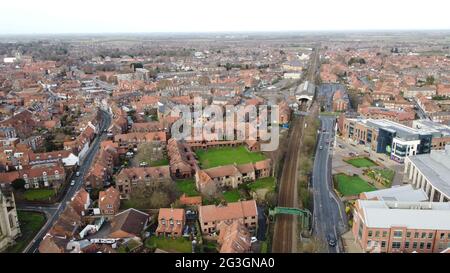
[[406, 244], [414, 245], [396, 245], [109, 206], [442, 236], [428, 245], [398, 233], [408, 234], [383, 243], [377, 234], [430, 235], [416, 235], [424, 234], [384, 233], [422, 244]]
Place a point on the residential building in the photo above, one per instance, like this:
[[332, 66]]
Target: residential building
[[109, 201], [171, 222], [129, 178], [234, 237], [211, 216]]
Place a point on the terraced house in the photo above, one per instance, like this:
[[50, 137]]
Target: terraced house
[[231, 175], [130, 178]]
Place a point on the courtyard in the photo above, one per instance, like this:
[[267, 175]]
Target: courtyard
[[215, 157]]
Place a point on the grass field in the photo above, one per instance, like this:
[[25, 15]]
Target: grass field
[[362, 162], [263, 183], [30, 224], [352, 185], [38, 194], [232, 196], [187, 186], [180, 245], [228, 155]]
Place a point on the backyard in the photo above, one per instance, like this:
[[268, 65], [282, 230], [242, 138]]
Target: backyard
[[30, 224], [352, 185], [263, 183], [232, 195], [361, 162], [228, 155], [179, 245], [187, 186]]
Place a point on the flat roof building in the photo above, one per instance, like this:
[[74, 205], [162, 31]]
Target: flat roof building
[[399, 227], [431, 173]]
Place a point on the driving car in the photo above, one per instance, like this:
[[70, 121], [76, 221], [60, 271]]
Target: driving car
[[331, 240]]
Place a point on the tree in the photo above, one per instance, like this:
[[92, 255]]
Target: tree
[[430, 80], [18, 184]]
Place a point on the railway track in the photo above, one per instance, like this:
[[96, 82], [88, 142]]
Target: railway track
[[285, 238]]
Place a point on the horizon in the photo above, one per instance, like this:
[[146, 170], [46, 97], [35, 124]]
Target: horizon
[[200, 16]]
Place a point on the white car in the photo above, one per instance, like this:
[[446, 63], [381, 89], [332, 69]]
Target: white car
[[77, 174], [253, 240], [72, 183]]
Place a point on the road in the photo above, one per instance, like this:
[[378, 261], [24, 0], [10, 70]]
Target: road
[[53, 212], [329, 213], [285, 233]]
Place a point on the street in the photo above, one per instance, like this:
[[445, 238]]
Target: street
[[329, 213], [52, 213]]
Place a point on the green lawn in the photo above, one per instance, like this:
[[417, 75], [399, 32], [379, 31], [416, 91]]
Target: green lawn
[[232, 196], [30, 224], [180, 245], [161, 162], [187, 186], [362, 162], [228, 155], [263, 183], [352, 185], [38, 194]]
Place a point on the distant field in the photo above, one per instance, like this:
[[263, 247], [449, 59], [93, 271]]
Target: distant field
[[362, 162], [228, 155], [30, 224], [352, 185]]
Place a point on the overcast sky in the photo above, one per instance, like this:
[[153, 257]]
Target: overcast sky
[[97, 16]]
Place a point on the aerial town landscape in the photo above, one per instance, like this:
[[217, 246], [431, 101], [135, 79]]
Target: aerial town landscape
[[89, 163], [117, 140]]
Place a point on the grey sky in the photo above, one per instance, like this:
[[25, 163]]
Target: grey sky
[[95, 16]]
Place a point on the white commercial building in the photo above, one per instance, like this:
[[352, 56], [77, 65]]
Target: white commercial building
[[431, 172]]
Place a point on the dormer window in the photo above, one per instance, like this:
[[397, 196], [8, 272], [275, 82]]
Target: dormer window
[[163, 221], [171, 221]]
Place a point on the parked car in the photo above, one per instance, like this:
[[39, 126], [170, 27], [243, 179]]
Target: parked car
[[253, 240], [72, 183], [77, 174]]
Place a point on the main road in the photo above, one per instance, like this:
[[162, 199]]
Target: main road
[[329, 213], [53, 212]]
